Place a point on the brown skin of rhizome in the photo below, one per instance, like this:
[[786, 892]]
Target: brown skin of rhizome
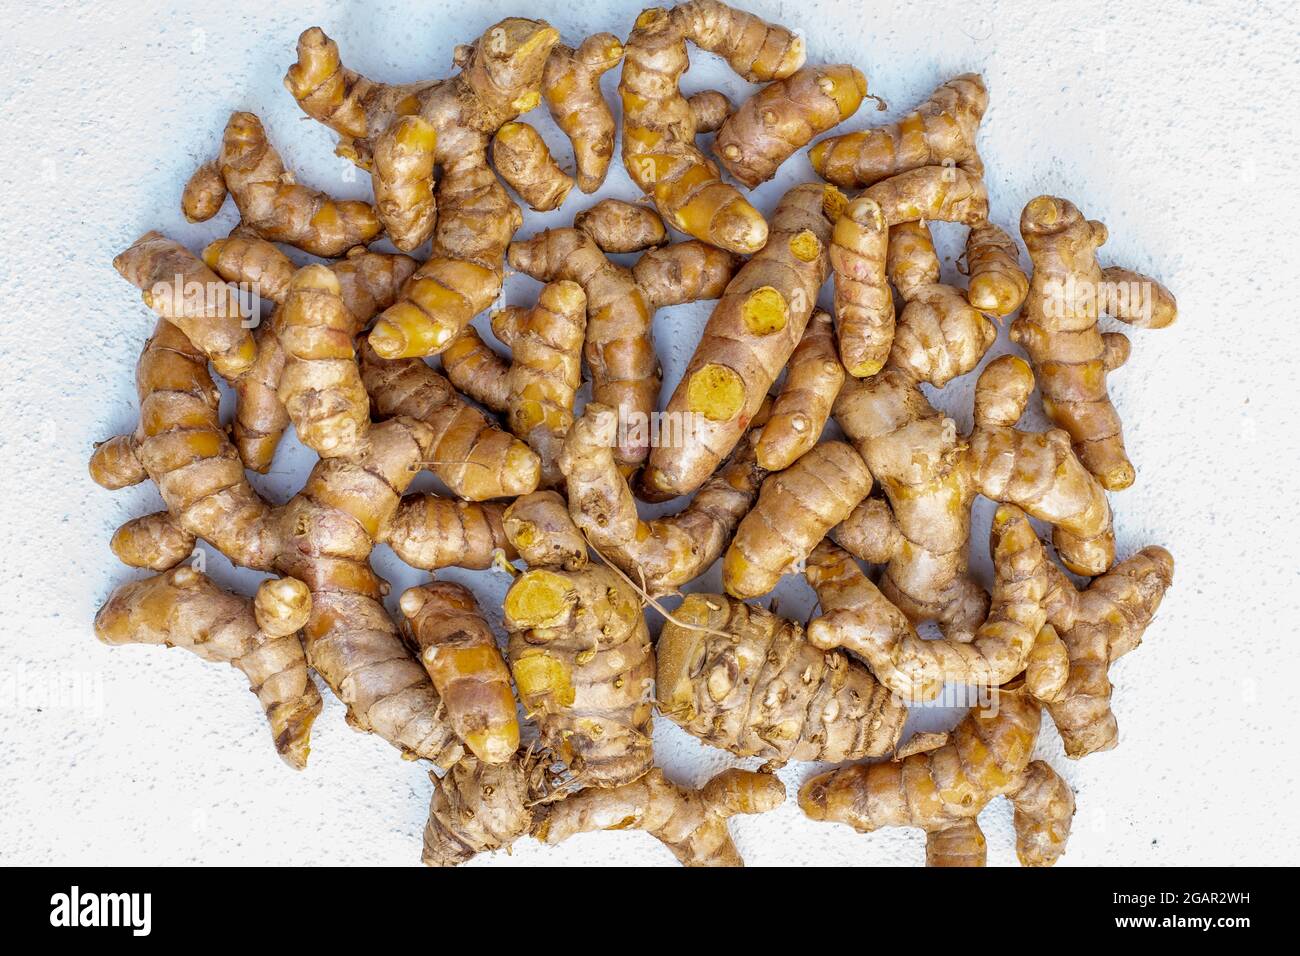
[[549, 733]]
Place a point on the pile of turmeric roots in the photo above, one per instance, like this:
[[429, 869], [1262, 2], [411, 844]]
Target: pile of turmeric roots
[[552, 737]]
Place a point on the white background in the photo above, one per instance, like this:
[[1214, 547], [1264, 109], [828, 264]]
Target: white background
[[1174, 123]]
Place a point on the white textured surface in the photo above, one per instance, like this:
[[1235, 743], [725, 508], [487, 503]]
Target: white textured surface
[[1173, 123]]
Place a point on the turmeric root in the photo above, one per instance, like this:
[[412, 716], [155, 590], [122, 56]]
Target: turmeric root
[[743, 679], [185, 292], [617, 226], [857, 617], [960, 845], [500, 77], [477, 807], [546, 371], [327, 533], [320, 384], [911, 262], [204, 193], [619, 349], [940, 132], [1099, 625], [433, 682], [271, 204], [666, 552], [460, 279], [429, 532], [746, 342], [537, 388], [659, 125], [1133, 309], [571, 88], [368, 281], [480, 807], [864, 306], [581, 657], [943, 790], [181, 445], [182, 608], [803, 406], [1048, 667], [759, 52], [943, 193], [997, 283], [931, 476], [538, 526], [1058, 328], [709, 109], [924, 468], [1037, 472], [544, 375], [154, 541], [940, 335], [784, 116], [470, 455], [683, 272], [523, 161], [251, 261], [477, 370], [322, 536], [795, 509], [115, 462], [691, 823], [1044, 810], [402, 178], [260, 415], [458, 650]]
